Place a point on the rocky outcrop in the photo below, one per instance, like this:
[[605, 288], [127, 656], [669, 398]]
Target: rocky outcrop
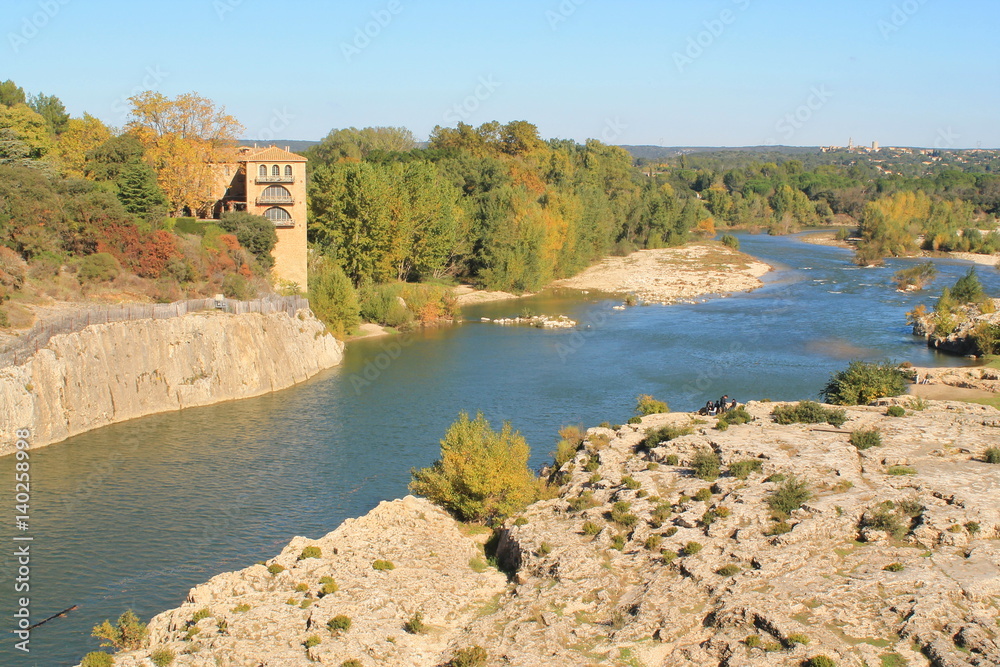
[[985, 378], [113, 372], [959, 334], [893, 559]]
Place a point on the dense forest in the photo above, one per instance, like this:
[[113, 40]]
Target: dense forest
[[495, 205]]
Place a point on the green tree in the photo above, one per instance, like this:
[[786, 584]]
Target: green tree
[[139, 193], [968, 289], [52, 110], [482, 474], [11, 94], [332, 296], [22, 126], [129, 634], [864, 381], [254, 232]]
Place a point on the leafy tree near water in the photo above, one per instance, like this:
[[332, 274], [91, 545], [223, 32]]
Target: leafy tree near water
[[864, 381], [482, 474]]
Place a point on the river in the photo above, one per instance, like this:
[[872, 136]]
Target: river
[[132, 515]]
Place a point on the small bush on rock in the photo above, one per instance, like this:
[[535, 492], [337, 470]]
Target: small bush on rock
[[620, 514], [789, 496], [630, 483], [647, 405], [796, 638], [416, 625], [690, 549], [706, 464], [327, 586], [992, 455], [312, 640], [703, 495], [339, 623], [896, 411], [383, 565], [311, 552], [353, 662], [97, 659], [866, 439], [819, 661], [728, 570], [808, 412], [618, 542], [742, 469], [275, 569], [590, 528], [242, 607], [894, 567], [473, 656], [671, 460], [656, 436]]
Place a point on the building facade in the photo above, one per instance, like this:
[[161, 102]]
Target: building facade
[[271, 182]]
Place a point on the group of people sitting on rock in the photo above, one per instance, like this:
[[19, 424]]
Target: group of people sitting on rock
[[719, 407]]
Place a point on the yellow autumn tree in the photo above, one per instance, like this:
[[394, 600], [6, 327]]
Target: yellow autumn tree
[[81, 135], [183, 138]]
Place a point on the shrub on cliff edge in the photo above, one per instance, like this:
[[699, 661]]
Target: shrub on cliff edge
[[129, 634], [482, 474]]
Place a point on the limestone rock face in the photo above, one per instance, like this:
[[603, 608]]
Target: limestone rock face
[[113, 372], [894, 555], [260, 618]]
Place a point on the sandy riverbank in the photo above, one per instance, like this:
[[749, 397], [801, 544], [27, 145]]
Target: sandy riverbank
[[470, 296], [825, 238], [670, 274]]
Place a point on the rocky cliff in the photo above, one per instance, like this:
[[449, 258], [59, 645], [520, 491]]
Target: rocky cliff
[[109, 373], [893, 559]]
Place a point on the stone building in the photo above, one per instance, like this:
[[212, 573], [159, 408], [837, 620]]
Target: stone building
[[271, 182]]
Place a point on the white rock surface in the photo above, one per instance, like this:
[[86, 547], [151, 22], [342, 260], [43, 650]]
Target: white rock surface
[[110, 373]]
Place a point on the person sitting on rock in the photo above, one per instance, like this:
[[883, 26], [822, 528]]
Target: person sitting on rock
[[733, 405], [711, 408]]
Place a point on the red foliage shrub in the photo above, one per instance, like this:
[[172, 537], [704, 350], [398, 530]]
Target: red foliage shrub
[[144, 253]]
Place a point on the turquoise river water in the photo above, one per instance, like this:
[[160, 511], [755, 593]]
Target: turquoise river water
[[133, 515]]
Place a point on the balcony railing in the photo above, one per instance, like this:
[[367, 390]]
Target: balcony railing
[[275, 179], [284, 223], [265, 201]]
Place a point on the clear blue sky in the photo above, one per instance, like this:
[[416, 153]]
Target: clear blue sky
[[903, 72]]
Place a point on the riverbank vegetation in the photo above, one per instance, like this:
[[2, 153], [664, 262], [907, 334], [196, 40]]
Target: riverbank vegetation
[[494, 205], [950, 203]]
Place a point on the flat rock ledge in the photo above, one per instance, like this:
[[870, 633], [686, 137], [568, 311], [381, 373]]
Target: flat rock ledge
[[895, 557]]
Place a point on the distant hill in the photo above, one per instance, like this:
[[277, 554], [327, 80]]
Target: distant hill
[[294, 145], [658, 152]]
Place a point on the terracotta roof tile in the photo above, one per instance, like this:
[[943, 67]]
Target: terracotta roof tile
[[270, 154]]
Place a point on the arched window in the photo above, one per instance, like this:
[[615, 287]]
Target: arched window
[[263, 170], [288, 170], [276, 170], [278, 216], [276, 194]]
